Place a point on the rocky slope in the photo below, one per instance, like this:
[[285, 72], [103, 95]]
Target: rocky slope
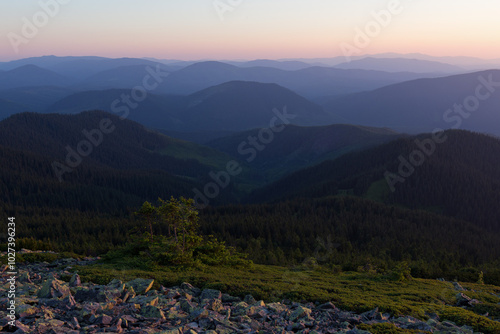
[[47, 304]]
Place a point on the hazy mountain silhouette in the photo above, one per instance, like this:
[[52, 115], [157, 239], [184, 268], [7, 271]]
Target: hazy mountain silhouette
[[35, 99], [232, 106], [400, 65], [311, 82], [44, 62], [8, 108], [156, 111], [78, 68], [282, 65], [119, 77], [468, 63], [241, 105], [93, 73], [421, 105], [83, 68], [406, 106], [31, 75]]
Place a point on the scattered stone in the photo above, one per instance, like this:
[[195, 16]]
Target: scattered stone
[[226, 298], [103, 320], [464, 300], [277, 307], [150, 311], [75, 281], [249, 299], [420, 326], [327, 306], [24, 278], [299, 313], [25, 311], [172, 331], [89, 295], [141, 285], [53, 288], [198, 314], [190, 289], [49, 305], [210, 294]]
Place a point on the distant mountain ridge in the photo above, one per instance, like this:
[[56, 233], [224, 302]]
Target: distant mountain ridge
[[90, 73], [36, 99], [400, 65], [425, 104], [31, 75], [232, 106], [404, 102], [8, 108], [240, 105], [310, 82]]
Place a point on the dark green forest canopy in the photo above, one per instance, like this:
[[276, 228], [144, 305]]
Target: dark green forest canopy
[[460, 179]]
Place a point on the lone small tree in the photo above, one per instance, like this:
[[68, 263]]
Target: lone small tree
[[184, 246], [181, 216], [401, 272], [481, 278], [147, 212]]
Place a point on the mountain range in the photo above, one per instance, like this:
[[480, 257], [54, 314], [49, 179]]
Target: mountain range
[[466, 101], [30, 76], [400, 65], [206, 100], [232, 106]]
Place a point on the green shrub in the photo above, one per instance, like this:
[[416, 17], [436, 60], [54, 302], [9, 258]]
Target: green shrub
[[465, 317], [401, 272], [37, 257], [386, 328]]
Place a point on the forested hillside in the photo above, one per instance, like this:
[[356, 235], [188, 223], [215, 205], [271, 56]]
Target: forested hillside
[[460, 178], [296, 147], [442, 219], [351, 232]]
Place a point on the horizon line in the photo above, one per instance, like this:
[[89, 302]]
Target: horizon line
[[254, 59]]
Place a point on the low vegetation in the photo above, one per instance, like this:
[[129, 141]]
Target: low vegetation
[[353, 291]]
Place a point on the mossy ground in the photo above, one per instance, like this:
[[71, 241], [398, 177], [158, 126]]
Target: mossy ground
[[353, 291]]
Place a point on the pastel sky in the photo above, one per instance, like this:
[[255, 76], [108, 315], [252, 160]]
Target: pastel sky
[[247, 29]]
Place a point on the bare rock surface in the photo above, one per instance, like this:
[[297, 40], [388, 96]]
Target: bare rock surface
[[47, 304]]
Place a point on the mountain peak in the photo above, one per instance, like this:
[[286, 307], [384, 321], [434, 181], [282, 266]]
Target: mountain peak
[[27, 69], [211, 64]]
